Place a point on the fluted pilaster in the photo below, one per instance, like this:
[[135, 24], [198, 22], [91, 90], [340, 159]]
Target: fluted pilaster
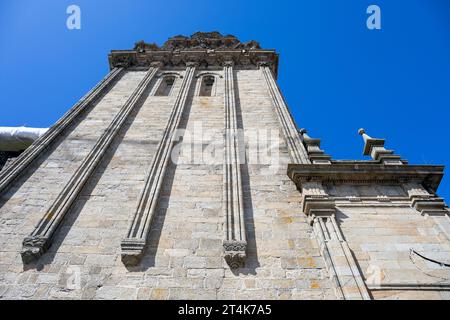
[[135, 242], [235, 242], [40, 239]]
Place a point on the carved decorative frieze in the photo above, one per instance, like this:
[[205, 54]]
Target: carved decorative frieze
[[134, 244], [200, 40], [235, 242], [208, 49], [40, 239]]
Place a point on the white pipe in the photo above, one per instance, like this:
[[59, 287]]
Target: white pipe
[[18, 138]]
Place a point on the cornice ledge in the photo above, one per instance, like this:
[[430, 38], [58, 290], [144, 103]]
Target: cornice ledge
[[429, 176], [205, 58]]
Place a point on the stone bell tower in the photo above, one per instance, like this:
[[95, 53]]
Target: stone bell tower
[[182, 175]]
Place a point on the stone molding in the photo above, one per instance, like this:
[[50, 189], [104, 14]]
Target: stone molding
[[9, 174], [424, 202], [235, 241], [429, 206], [208, 73], [40, 239], [420, 182], [169, 73], [296, 149], [135, 242], [359, 172]]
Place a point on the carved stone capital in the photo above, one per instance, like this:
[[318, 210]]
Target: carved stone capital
[[33, 247], [234, 252], [318, 206], [132, 251], [228, 63], [263, 63]]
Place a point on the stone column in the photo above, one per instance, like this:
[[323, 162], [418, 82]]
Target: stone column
[[235, 241], [133, 245], [7, 175], [294, 145], [40, 239]]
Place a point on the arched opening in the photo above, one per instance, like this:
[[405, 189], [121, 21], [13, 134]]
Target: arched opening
[[165, 87], [206, 87]]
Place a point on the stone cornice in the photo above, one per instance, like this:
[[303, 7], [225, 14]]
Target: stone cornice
[[207, 51], [353, 173]]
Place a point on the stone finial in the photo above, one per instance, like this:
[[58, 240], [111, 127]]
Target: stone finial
[[315, 154], [375, 148], [304, 133], [362, 132], [369, 142]]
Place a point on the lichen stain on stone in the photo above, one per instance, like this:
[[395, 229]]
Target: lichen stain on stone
[[314, 284], [287, 220]]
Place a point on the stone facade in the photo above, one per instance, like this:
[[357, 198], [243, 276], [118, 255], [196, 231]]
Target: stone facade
[[148, 192]]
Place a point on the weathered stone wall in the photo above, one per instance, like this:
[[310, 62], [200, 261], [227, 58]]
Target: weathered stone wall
[[381, 234], [184, 259]]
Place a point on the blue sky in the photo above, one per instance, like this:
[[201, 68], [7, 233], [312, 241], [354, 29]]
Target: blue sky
[[336, 74]]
